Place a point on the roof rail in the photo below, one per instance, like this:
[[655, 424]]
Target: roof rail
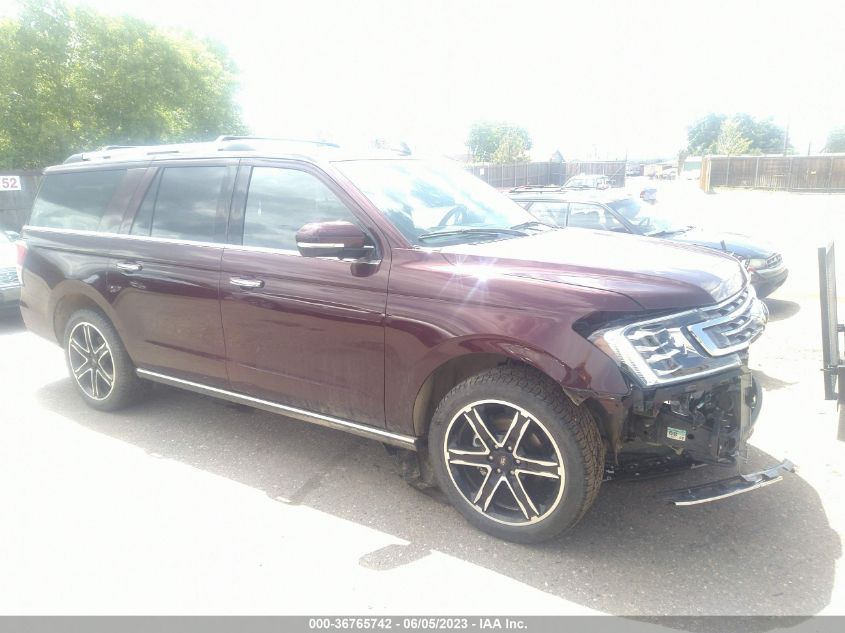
[[231, 143], [225, 139]]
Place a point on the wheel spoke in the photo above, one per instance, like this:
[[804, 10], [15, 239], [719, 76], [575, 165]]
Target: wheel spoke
[[105, 377], [86, 332], [522, 497], [95, 386], [76, 347], [537, 467], [509, 434], [83, 369], [488, 489], [458, 457], [101, 352], [481, 430]]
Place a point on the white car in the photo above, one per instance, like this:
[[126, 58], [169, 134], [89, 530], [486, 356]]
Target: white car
[[10, 285]]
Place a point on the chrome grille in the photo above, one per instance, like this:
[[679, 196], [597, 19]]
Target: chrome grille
[[731, 326], [9, 277]]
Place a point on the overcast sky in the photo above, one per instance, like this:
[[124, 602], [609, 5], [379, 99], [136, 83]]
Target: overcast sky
[[590, 78]]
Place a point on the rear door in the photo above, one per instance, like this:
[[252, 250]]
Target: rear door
[[301, 331], [164, 275]]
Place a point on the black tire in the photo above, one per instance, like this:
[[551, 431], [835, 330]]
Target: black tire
[[553, 425], [85, 334]]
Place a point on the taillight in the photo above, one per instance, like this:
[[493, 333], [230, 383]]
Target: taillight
[[21, 246]]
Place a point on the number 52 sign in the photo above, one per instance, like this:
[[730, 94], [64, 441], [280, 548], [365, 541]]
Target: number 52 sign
[[10, 183]]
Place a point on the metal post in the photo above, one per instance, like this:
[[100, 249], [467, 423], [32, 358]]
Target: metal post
[[728, 173], [789, 174], [756, 172], [830, 176]]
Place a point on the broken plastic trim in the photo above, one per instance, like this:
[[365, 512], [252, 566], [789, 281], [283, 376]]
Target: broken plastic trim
[[723, 488]]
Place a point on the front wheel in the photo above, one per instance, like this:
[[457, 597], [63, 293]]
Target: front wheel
[[514, 455]]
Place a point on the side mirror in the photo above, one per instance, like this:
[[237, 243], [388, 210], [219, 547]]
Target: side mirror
[[332, 239]]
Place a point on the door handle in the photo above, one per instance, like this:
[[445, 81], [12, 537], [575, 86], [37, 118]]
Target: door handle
[[129, 267], [241, 282]]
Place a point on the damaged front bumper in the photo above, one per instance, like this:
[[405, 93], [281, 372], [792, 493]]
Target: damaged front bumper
[[708, 420], [692, 424], [729, 487]]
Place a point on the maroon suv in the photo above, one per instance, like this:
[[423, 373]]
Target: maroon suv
[[399, 299]]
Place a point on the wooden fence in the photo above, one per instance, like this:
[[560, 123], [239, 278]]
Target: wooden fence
[[16, 205], [504, 176], [820, 173]]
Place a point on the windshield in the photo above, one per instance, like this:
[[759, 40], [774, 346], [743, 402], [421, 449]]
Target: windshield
[[645, 218], [434, 203]]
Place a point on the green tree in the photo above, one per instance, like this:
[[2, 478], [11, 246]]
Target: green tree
[[835, 141], [703, 134], [498, 141], [731, 141], [763, 135], [73, 79]]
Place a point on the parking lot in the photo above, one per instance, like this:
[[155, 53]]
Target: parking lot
[[189, 505]]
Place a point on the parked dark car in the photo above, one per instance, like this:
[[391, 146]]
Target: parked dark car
[[626, 214], [398, 299], [10, 287]]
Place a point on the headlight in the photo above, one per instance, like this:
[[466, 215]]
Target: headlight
[[755, 264], [660, 351]]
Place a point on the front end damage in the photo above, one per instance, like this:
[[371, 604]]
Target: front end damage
[[693, 400]]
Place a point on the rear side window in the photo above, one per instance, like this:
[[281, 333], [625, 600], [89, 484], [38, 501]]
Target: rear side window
[[182, 203], [76, 200]]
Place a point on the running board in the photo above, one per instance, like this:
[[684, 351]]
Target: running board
[[724, 488], [361, 430]]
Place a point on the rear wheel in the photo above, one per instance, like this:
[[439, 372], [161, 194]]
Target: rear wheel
[[514, 455], [99, 366]]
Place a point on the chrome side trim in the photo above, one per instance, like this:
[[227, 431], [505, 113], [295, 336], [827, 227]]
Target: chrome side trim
[[362, 430], [168, 240], [318, 245], [126, 236]]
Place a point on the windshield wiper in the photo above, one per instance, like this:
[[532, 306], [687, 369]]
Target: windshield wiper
[[471, 231], [671, 231], [532, 224]]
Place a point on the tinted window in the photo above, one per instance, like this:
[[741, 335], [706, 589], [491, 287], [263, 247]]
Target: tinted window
[[75, 200], [281, 201], [183, 205], [553, 213], [592, 216], [144, 217]]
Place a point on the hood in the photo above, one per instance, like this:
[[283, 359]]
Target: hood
[[735, 243], [657, 274]]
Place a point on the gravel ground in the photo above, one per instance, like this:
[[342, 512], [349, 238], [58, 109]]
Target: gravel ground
[[188, 505]]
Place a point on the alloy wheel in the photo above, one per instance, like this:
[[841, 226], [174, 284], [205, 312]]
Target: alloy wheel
[[504, 462], [91, 362]]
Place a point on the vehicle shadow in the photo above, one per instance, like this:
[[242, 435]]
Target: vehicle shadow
[[770, 552], [780, 309]]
